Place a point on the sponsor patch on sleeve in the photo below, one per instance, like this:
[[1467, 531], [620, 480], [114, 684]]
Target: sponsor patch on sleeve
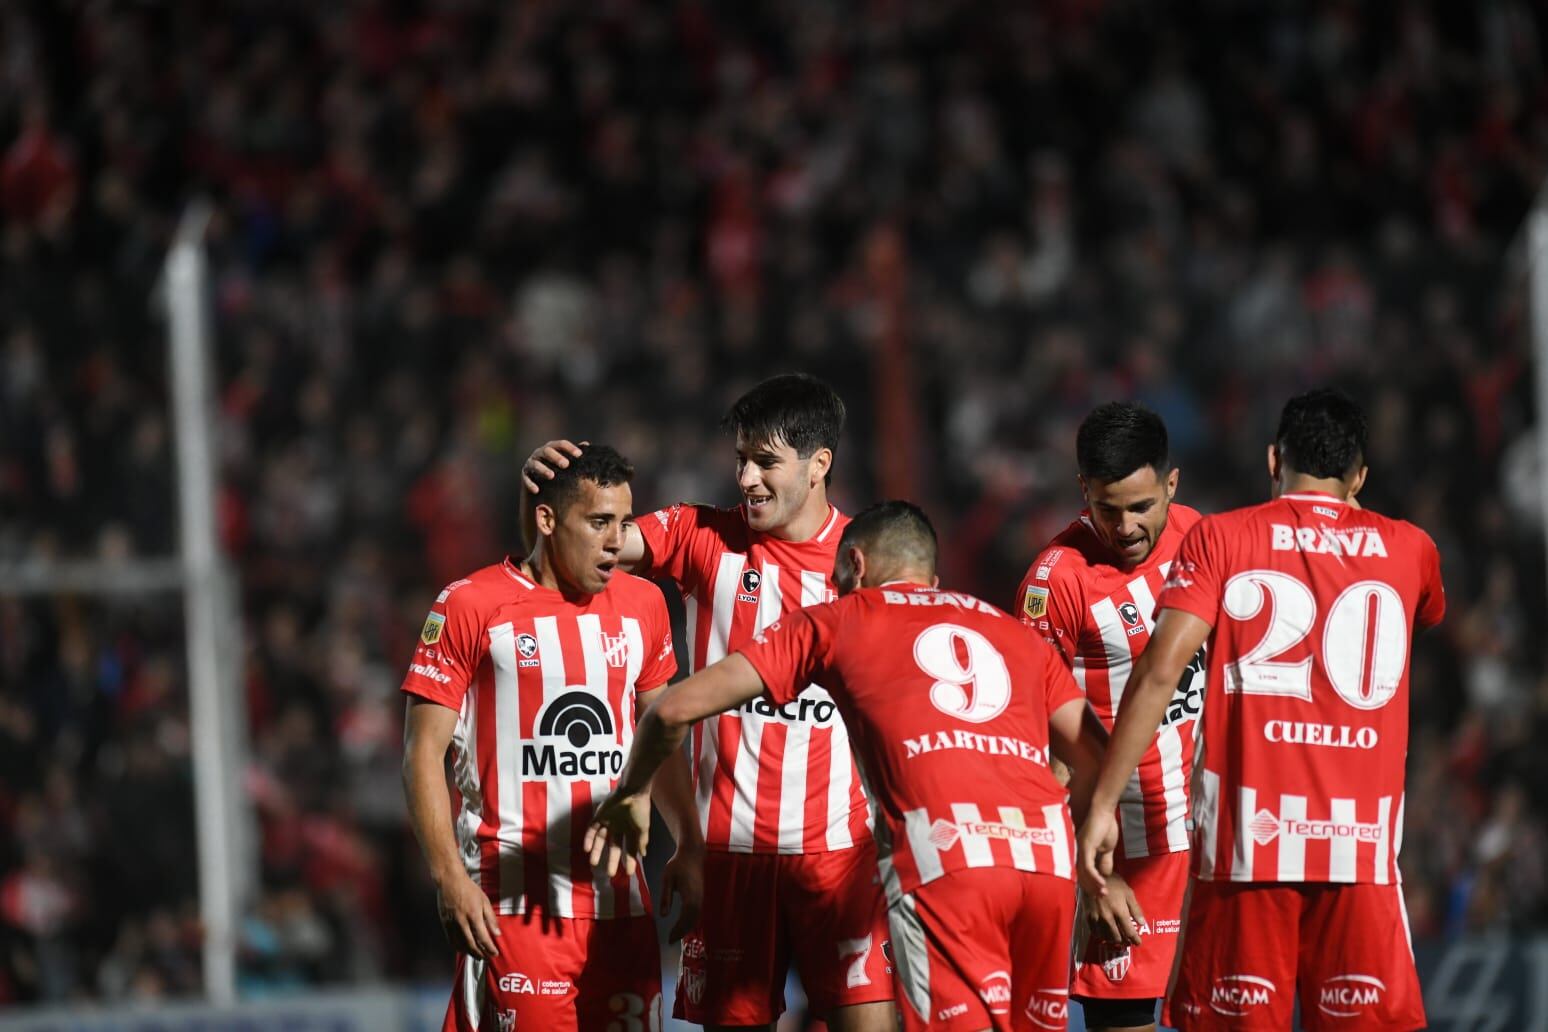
[[1036, 602], [432, 629]]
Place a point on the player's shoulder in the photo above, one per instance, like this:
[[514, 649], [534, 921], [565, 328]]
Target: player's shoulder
[[726, 522], [482, 586], [628, 589], [1183, 517], [1072, 552]]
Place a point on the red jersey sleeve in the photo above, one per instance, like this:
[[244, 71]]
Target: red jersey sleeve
[[660, 661], [1059, 684], [1432, 593], [668, 535], [1048, 605], [1194, 583], [451, 646], [793, 652]]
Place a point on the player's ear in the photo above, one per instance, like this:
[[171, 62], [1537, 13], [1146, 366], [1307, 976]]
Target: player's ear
[[1085, 492], [1359, 481], [1273, 462], [1171, 483], [547, 519], [821, 461]]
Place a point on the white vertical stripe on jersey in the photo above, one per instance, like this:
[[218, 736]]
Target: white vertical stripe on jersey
[[1384, 841], [1020, 848], [744, 798], [1244, 846], [1206, 817], [1292, 846], [556, 793], [508, 739], [927, 859], [1115, 642], [1053, 817], [1131, 818], [594, 656], [770, 598], [975, 848], [1145, 602], [1174, 790], [792, 768], [841, 766], [722, 608], [636, 661], [728, 578], [1343, 850], [1397, 828], [1078, 668]]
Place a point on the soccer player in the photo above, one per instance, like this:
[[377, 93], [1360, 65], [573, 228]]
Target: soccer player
[[951, 706], [789, 871], [532, 672], [1309, 605], [1092, 594]]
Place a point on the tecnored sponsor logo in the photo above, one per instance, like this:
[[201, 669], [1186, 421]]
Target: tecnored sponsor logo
[[1049, 1008], [1332, 736], [944, 834], [1236, 996], [995, 990], [1266, 827], [1347, 996]]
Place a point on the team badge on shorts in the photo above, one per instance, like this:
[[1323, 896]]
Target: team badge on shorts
[[1036, 603], [432, 629]]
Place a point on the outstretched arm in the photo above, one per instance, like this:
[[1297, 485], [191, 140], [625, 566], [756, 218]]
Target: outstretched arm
[[672, 791], [1177, 639], [621, 824]]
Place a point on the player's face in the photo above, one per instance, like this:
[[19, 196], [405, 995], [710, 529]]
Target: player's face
[[776, 483], [1130, 514], [589, 534]]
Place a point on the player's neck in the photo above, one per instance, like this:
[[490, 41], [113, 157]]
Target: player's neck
[[1300, 483], [809, 521], [539, 566]]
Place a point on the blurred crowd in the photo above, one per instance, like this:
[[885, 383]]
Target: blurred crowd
[[445, 231]]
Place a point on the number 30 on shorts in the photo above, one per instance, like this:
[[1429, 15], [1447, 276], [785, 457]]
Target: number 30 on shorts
[[1364, 639], [632, 1014]]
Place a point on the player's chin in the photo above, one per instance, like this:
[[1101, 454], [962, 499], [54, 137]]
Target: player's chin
[[601, 575]]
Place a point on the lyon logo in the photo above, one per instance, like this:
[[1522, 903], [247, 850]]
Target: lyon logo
[[615, 649], [1116, 961]]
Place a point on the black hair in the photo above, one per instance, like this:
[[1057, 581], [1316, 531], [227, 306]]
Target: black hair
[[597, 463], [1118, 438], [793, 408], [894, 531], [1322, 434]]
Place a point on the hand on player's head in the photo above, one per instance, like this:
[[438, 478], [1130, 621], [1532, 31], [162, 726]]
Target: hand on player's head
[[542, 462]]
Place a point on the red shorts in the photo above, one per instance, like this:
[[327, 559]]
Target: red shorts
[[561, 973], [1247, 947], [821, 911], [982, 948], [1108, 971]]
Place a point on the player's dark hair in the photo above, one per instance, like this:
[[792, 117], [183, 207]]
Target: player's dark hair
[[793, 408], [1322, 434], [1119, 438], [597, 463], [893, 532]]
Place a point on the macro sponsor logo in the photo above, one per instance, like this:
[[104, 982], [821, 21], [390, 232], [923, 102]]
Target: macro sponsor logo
[[1187, 700], [564, 746], [434, 673], [517, 983], [1362, 543], [1049, 1008], [1236, 996], [806, 708], [992, 745], [1332, 736], [1346, 996], [1265, 827], [995, 990]]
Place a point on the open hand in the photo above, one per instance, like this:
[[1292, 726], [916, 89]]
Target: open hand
[[619, 833], [467, 917], [1115, 916]]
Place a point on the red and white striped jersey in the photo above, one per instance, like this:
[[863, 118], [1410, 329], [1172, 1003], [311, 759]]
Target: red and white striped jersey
[[947, 700], [1099, 617], [1313, 606], [768, 780], [545, 693]]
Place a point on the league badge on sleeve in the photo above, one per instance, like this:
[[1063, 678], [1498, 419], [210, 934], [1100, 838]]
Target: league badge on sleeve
[[1036, 603], [432, 629]]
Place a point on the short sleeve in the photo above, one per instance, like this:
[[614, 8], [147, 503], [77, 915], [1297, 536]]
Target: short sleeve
[[668, 535], [1047, 605], [1059, 684], [1194, 583], [794, 651], [1432, 593], [451, 645], [660, 664]]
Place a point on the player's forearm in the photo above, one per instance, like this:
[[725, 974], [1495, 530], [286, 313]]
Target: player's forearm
[[1144, 706], [672, 792], [654, 742], [429, 810]]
